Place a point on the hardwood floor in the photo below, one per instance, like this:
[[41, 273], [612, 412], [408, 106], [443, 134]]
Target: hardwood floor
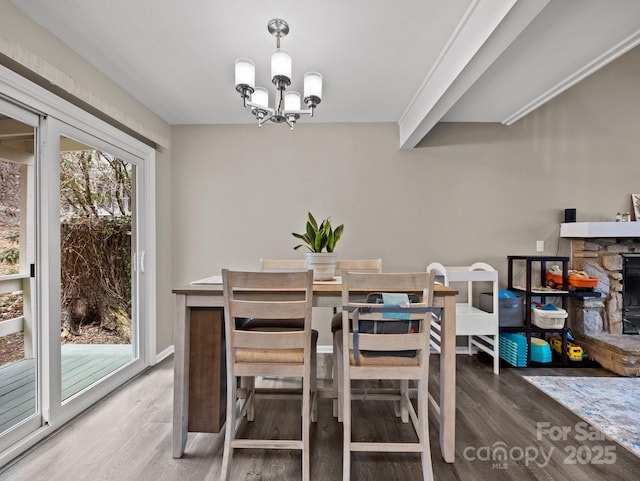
[[127, 436]]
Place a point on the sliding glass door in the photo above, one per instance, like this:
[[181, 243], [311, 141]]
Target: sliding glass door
[[98, 238], [77, 262], [94, 244], [20, 406]]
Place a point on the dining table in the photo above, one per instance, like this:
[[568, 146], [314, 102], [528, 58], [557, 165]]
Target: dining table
[[199, 390]]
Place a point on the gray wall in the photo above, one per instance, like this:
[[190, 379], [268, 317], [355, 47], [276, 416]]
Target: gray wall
[[470, 192]]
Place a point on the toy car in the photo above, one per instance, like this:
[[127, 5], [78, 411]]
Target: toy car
[[576, 279], [574, 352]]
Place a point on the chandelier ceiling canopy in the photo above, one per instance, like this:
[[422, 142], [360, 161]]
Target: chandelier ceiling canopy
[[287, 104]]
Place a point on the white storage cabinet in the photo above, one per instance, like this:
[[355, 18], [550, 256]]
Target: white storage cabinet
[[481, 327]]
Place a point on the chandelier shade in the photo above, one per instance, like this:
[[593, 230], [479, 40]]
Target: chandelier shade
[[280, 66], [313, 87], [292, 101], [287, 104], [260, 97], [245, 72]]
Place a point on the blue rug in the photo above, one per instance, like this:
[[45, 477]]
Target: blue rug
[[610, 404]]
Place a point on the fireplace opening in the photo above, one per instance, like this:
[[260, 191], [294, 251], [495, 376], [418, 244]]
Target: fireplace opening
[[631, 293]]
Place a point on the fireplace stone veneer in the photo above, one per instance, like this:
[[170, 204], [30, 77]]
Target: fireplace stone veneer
[[601, 258]]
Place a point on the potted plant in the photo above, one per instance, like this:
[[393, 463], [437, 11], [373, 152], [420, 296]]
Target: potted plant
[[320, 240]]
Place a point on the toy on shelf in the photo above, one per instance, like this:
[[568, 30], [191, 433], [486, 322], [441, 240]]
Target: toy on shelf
[[547, 316], [513, 348], [540, 350], [574, 352], [577, 280]]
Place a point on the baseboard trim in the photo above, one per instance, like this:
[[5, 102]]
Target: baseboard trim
[[161, 356]]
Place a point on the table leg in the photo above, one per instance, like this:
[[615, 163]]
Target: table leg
[[182, 318], [448, 381]]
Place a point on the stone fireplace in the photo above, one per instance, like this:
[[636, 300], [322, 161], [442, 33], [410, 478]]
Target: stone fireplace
[[597, 322]]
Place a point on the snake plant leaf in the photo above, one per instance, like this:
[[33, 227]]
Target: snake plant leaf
[[311, 232], [331, 241], [338, 232], [311, 220], [304, 238], [334, 237], [320, 242]]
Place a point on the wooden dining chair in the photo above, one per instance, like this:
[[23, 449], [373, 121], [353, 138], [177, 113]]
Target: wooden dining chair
[[268, 352], [358, 265], [373, 346]]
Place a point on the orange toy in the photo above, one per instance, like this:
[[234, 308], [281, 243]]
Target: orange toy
[[577, 279]]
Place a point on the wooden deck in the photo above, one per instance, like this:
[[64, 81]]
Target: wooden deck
[[82, 365], [17, 392]]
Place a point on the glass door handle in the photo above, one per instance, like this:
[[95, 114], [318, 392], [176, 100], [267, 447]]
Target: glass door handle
[[142, 262]]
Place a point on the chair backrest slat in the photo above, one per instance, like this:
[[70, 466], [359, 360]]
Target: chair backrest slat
[[266, 280], [269, 309], [274, 340], [390, 342]]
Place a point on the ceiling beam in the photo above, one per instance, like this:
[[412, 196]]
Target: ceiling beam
[[478, 24]]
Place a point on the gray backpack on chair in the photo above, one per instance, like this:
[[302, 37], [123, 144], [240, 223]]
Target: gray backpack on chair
[[391, 326]]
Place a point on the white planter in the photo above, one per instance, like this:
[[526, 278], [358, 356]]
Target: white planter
[[323, 265]]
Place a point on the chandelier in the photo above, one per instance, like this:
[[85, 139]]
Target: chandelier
[[287, 104]]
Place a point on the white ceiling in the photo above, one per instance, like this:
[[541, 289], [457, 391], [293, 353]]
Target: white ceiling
[[415, 62]]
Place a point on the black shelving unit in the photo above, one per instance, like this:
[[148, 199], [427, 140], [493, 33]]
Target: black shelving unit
[[532, 290]]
